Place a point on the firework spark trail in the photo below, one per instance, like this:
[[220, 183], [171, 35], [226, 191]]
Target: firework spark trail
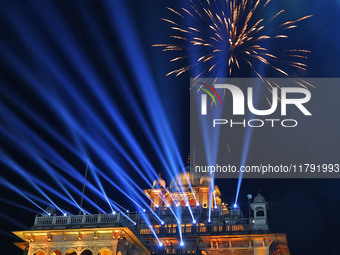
[[230, 28]]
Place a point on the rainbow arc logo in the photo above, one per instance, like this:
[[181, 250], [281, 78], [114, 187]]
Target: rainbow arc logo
[[205, 87]]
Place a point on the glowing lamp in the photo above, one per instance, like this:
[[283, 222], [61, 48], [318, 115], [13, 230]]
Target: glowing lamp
[[181, 243], [162, 222], [144, 210], [113, 212], [235, 205], [127, 211], [194, 221], [65, 214], [160, 244]]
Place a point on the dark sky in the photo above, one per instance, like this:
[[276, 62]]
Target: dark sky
[[53, 53]]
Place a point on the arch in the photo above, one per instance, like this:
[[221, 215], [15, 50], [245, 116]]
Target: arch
[[192, 202], [39, 252], [260, 213], [105, 251], [71, 252], [182, 202], [56, 252], [86, 252]]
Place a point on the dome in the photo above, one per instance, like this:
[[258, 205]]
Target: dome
[[50, 210], [181, 179], [259, 199]]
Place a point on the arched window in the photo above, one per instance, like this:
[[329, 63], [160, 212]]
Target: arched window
[[259, 212], [39, 253], [71, 252], [86, 252], [105, 251], [56, 252]]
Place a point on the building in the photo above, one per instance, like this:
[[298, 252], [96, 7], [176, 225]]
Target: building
[[180, 221]]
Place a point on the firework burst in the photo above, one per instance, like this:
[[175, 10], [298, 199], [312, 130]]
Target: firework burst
[[221, 37]]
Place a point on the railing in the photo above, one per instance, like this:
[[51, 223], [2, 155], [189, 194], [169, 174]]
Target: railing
[[163, 211], [174, 250], [76, 219], [199, 229], [220, 222]]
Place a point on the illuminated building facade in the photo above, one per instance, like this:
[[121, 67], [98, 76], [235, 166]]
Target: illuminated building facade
[[183, 219]]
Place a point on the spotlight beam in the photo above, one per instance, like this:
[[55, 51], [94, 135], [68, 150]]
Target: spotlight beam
[[15, 189], [107, 54], [102, 95], [120, 22], [30, 179], [18, 205], [29, 150]]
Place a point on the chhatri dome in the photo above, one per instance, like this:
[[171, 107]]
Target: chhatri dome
[[259, 199], [185, 179]]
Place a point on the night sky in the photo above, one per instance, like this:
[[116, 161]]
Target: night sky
[[71, 75]]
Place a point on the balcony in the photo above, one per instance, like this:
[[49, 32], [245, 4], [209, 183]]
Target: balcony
[[242, 226], [72, 221]]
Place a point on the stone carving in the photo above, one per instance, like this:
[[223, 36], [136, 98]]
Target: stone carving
[[95, 235]]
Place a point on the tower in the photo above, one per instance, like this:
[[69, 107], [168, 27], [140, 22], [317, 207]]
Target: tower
[[259, 208]]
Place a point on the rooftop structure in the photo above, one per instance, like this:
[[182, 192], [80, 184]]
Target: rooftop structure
[[185, 218]]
